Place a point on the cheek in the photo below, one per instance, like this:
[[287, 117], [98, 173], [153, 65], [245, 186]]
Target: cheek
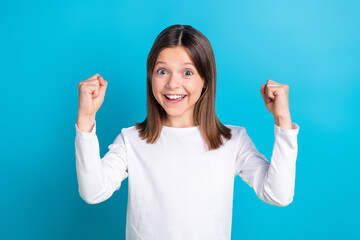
[[156, 89], [194, 87]]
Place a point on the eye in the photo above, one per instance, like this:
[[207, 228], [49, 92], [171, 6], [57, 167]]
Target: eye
[[190, 72], [159, 70]]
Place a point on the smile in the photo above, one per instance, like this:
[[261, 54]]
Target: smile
[[174, 100]]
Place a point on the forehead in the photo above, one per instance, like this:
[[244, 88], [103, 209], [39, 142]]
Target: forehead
[[174, 55]]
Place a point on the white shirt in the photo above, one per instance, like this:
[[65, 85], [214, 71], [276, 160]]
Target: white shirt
[[177, 190]]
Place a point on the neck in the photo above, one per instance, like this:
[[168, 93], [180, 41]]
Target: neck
[[179, 124]]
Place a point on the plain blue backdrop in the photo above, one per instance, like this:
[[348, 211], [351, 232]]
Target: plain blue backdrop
[[47, 47]]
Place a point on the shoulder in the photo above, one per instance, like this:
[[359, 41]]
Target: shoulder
[[129, 131], [125, 135], [235, 130]]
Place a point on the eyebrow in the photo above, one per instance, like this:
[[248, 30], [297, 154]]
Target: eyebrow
[[187, 63]]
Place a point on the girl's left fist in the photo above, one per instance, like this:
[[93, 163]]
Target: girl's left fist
[[276, 98]]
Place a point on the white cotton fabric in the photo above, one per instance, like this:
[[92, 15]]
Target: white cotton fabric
[[177, 189]]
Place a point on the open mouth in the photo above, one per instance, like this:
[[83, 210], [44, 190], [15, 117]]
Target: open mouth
[[176, 100]]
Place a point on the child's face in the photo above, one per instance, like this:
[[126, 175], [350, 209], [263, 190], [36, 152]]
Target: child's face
[[174, 76]]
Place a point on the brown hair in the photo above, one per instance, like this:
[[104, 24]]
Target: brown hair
[[200, 50]]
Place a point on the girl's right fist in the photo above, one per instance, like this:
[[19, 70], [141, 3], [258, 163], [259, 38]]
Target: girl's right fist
[[91, 95]]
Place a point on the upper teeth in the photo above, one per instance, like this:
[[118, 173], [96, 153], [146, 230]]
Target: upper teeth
[[175, 96]]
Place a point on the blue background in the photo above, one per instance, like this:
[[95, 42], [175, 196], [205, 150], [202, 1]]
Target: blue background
[[47, 47]]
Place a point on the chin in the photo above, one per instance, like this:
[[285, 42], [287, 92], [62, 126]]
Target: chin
[[174, 113]]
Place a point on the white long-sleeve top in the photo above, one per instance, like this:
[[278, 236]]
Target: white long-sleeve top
[[176, 189]]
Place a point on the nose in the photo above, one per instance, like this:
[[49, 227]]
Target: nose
[[173, 81]]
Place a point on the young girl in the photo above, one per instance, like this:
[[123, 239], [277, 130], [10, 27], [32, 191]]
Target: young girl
[[181, 161]]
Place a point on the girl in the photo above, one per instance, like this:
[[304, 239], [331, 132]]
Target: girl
[[181, 161]]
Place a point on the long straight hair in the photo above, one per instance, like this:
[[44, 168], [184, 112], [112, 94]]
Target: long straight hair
[[200, 50]]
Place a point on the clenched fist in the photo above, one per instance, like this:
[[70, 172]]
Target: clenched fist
[[91, 96], [276, 99]]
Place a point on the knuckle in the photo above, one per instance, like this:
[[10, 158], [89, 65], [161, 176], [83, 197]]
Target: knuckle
[[83, 87]]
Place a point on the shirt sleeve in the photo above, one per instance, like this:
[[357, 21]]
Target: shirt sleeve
[[98, 178], [274, 182]]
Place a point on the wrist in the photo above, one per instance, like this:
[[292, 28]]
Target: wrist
[[283, 121], [85, 123], [84, 117]]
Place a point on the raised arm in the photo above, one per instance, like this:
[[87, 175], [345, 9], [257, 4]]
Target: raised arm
[[273, 182], [98, 178]]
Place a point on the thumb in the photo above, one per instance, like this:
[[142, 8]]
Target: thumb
[[263, 94], [103, 85]]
